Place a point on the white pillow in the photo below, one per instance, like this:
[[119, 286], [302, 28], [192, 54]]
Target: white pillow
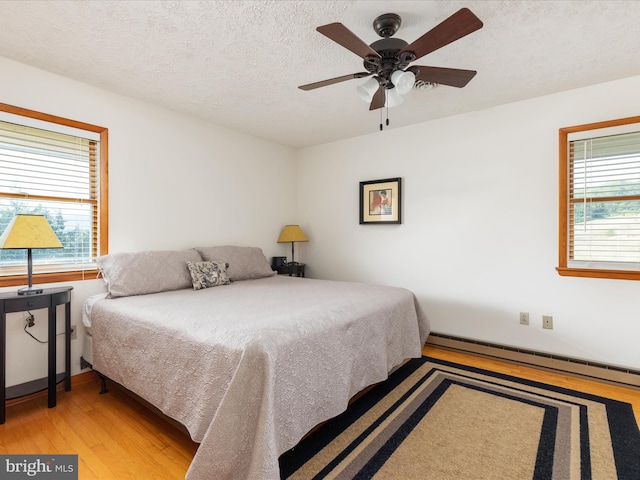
[[245, 263], [145, 272]]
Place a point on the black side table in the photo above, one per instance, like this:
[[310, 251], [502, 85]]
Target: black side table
[[50, 298], [296, 270]]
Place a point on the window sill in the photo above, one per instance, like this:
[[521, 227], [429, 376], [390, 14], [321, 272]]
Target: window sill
[[597, 273], [21, 280]]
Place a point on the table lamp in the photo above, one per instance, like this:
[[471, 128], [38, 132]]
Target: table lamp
[[29, 231], [292, 233]]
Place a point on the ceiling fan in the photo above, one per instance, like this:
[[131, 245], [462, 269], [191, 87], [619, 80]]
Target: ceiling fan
[[388, 59]]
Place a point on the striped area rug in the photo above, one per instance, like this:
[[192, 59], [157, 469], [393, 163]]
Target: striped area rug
[[438, 420]]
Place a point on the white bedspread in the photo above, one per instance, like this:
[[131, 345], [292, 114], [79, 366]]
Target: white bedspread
[[251, 367]]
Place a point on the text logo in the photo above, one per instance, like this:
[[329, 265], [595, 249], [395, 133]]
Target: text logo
[[49, 467]]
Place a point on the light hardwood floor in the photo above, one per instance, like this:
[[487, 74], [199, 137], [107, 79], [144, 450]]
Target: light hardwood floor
[[118, 439], [115, 437]]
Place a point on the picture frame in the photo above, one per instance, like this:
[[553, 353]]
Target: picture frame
[[381, 201]]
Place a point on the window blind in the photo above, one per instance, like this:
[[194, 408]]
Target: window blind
[[54, 174], [604, 201]]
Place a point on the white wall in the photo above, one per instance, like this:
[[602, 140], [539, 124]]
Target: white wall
[[478, 243], [174, 182]]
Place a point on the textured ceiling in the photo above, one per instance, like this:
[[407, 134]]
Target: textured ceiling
[[238, 63]]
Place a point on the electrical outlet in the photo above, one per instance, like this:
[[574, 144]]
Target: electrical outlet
[[547, 322], [524, 318], [74, 332]]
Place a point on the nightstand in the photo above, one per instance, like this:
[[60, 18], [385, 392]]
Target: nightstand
[[296, 270], [50, 298]]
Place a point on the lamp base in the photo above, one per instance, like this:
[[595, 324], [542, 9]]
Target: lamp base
[[30, 291]]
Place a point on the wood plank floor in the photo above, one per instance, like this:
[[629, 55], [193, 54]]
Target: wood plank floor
[[118, 439], [115, 437]]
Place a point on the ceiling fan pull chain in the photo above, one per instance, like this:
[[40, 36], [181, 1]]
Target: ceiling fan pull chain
[[387, 120]]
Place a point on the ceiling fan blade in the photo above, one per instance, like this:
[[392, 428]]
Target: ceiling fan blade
[[378, 99], [345, 37], [453, 77], [458, 25], [331, 81]]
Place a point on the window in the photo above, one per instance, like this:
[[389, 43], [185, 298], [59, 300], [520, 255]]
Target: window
[[55, 167], [600, 200]]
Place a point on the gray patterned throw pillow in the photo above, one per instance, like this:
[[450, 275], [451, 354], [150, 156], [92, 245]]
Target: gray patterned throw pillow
[[208, 274]]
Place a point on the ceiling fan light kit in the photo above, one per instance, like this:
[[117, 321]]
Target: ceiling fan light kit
[[403, 81], [387, 60], [393, 98], [368, 89]]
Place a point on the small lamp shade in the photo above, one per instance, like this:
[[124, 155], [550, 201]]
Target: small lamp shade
[[368, 89], [29, 231], [403, 81], [393, 98], [292, 233]]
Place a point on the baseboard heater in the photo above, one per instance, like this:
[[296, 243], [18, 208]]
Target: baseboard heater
[[558, 363]]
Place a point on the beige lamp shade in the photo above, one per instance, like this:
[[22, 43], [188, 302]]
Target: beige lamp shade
[[29, 231], [292, 233]]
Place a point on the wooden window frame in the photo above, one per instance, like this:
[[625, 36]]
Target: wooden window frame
[[563, 213], [103, 210]]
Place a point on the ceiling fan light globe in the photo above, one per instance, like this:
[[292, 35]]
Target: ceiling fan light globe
[[393, 98], [403, 81], [368, 89]]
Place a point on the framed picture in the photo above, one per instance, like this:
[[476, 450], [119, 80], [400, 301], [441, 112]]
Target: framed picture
[[381, 201]]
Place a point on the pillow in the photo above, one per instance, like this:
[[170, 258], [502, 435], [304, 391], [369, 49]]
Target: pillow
[[145, 272], [245, 263], [208, 274]]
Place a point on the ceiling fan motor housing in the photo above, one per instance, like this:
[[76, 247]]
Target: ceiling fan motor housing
[[390, 61]]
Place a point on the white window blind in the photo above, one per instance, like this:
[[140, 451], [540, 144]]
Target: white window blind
[[54, 174], [604, 201]]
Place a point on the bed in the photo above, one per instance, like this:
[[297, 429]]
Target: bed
[[252, 365]]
